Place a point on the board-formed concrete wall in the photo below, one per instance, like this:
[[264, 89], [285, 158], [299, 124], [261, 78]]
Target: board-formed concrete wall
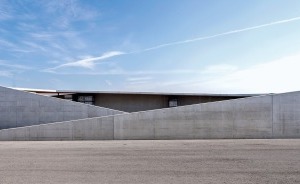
[[18, 109], [243, 118], [286, 115], [270, 116], [85, 129]]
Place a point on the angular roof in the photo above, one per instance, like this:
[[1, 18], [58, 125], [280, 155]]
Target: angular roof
[[56, 92]]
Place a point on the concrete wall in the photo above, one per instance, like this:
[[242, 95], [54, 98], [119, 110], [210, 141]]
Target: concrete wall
[[286, 115], [18, 108], [190, 100], [87, 129], [255, 117], [243, 118], [143, 102]]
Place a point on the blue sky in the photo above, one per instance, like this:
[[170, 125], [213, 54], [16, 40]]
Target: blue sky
[[205, 46]]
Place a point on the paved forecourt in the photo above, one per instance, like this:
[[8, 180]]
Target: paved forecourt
[[237, 161]]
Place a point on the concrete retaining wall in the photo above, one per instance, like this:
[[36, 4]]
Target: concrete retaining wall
[[243, 118], [86, 129], [255, 117], [286, 115], [18, 109]]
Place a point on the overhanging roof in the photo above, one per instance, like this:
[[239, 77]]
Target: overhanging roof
[[56, 92]]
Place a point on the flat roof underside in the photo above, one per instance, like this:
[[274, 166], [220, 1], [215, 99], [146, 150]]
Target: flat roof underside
[[130, 93]]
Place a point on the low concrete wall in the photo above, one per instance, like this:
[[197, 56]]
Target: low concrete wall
[[243, 118], [18, 109], [255, 117], [85, 129], [286, 115]]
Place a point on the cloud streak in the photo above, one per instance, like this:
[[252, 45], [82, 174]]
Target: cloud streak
[[5, 10], [11, 47], [69, 11], [126, 72], [5, 73], [89, 63], [13, 66], [222, 34]]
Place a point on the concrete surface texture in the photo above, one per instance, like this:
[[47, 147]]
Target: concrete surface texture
[[286, 115], [18, 109], [242, 118], [181, 161], [270, 116]]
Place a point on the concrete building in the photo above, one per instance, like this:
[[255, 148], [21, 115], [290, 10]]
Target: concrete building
[[137, 101], [28, 116], [19, 108]]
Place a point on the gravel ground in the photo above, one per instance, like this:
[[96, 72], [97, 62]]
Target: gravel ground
[[171, 161]]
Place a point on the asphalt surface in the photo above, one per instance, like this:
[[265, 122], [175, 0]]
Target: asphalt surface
[[184, 161]]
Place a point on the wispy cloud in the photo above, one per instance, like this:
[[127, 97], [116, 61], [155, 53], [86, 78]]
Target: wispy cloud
[[267, 77], [5, 10], [3, 31], [23, 26], [42, 36], [12, 47], [35, 46], [8, 70], [14, 66], [68, 11], [59, 43], [5, 73], [74, 40], [261, 78], [89, 62], [221, 34], [71, 8], [71, 39], [139, 78], [6, 43], [118, 71], [108, 82], [219, 69]]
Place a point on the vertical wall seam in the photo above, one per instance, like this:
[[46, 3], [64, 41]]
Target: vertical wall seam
[[154, 132], [113, 127], [272, 119], [233, 120]]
